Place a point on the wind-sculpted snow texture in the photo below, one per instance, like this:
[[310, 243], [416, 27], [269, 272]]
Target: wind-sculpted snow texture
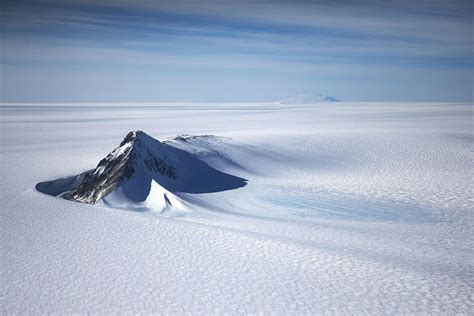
[[349, 208]]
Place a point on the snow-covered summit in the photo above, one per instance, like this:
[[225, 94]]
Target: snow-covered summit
[[309, 98], [142, 168]]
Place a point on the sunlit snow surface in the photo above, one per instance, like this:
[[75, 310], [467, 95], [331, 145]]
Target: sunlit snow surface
[[348, 208]]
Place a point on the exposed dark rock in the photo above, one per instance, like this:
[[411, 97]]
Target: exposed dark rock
[[139, 164], [118, 165]]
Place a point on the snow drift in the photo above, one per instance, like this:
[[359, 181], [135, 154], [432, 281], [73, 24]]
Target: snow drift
[[143, 173]]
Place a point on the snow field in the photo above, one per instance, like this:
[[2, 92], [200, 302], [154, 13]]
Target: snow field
[[349, 208]]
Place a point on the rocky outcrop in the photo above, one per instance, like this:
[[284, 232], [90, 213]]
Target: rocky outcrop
[[120, 165]]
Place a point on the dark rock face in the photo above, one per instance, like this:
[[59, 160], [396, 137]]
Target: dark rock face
[[138, 165], [118, 166]]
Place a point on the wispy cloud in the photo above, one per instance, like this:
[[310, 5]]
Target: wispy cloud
[[298, 40]]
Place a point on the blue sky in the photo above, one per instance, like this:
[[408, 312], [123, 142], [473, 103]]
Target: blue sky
[[218, 51]]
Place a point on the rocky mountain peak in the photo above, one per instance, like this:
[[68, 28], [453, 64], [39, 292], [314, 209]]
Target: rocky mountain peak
[[121, 164]]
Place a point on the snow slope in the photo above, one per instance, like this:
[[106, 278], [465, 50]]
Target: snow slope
[[353, 208]]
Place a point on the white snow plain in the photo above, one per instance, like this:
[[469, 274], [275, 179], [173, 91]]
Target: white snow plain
[[348, 208]]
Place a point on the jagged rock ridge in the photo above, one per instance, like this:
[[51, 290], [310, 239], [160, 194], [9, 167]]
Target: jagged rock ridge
[[118, 166]]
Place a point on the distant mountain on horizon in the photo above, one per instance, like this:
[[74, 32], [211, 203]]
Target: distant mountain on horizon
[[309, 98]]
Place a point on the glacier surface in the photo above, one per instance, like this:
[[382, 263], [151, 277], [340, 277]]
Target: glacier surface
[[348, 208]]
